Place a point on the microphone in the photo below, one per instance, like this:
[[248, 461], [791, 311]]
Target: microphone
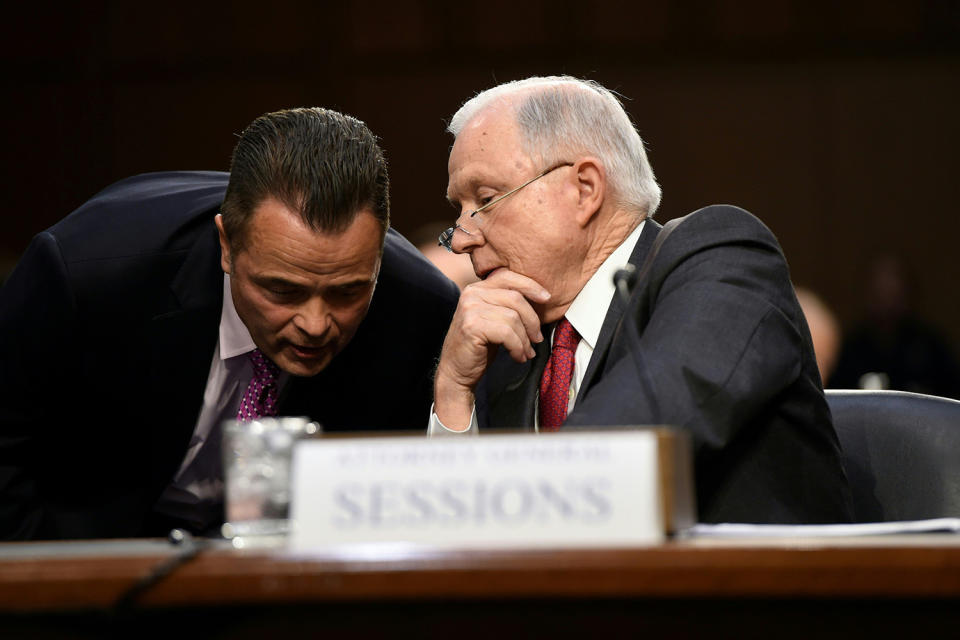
[[179, 537], [188, 548], [625, 279]]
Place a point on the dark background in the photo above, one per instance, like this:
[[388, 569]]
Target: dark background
[[836, 125]]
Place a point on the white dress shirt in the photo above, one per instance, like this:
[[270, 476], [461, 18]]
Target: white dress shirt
[[196, 492], [586, 314]]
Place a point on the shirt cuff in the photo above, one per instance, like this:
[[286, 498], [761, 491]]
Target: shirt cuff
[[437, 428]]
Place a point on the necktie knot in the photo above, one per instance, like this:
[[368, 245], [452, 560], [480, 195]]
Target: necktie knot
[[565, 336], [260, 398], [263, 368]]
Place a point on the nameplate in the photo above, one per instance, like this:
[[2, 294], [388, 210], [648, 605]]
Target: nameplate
[[591, 489]]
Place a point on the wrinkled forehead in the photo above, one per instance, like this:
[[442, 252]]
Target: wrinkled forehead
[[489, 132], [488, 146]]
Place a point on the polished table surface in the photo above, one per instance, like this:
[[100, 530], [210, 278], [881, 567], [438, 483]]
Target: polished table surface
[[913, 578]]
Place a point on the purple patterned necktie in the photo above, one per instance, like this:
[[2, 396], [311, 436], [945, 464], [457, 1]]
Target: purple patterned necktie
[[555, 383], [261, 397]]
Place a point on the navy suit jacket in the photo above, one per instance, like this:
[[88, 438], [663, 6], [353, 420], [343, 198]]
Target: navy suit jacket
[[712, 340], [107, 331]]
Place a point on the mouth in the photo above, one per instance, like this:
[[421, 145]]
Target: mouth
[[305, 352], [487, 272]]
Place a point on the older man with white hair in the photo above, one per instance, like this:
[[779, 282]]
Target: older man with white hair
[[701, 330]]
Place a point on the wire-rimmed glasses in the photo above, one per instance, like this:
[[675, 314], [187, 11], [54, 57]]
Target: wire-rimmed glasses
[[446, 238]]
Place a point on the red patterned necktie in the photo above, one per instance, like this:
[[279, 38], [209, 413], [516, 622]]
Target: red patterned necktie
[[260, 398], [555, 383]]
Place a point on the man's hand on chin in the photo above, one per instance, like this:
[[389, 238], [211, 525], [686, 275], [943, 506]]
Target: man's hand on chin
[[494, 312]]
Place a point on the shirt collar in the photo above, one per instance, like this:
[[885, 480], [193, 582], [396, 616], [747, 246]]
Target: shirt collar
[[235, 339], [598, 292]]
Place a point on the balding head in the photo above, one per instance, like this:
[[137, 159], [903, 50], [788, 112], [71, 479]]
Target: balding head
[[560, 117]]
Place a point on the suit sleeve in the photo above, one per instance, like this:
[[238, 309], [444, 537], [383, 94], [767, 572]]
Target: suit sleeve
[[709, 342], [37, 354]]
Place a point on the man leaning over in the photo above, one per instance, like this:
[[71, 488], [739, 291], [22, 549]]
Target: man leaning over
[[134, 326]]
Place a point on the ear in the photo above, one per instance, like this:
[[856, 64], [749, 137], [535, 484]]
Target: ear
[[591, 180], [224, 245]]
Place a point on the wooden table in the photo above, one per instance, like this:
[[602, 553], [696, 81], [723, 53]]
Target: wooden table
[[726, 588]]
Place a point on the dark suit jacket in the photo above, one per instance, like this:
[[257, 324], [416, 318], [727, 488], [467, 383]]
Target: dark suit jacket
[[712, 340], [107, 331]]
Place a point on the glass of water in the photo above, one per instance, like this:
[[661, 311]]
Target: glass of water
[[256, 461]]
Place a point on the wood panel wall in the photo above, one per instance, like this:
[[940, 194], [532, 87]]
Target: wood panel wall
[[838, 126]]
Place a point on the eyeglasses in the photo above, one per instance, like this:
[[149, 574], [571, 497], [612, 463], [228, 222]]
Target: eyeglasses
[[446, 238]]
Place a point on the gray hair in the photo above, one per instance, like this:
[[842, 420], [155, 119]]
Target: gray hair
[[560, 116]]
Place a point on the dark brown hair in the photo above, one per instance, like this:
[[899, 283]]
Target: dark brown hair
[[324, 165]]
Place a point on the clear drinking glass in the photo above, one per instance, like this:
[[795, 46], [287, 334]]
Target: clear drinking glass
[[256, 460]]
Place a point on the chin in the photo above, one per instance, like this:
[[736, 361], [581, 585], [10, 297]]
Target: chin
[[548, 315], [304, 369]]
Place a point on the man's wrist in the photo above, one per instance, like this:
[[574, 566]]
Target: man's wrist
[[436, 428], [453, 404]]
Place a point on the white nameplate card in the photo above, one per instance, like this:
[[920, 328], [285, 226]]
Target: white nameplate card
[[493, 491]]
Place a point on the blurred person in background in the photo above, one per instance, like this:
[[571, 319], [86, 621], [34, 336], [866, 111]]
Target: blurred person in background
[[892, 347], [824, 330]]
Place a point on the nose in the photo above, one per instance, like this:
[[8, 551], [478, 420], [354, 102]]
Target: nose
[[313, 318], [466, 236]]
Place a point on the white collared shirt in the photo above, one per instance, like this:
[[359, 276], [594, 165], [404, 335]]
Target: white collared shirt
[[586, 314], [196, 492]]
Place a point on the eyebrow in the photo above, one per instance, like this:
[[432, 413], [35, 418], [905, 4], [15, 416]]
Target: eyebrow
[[281, 281], [359, 282], [276, 280], [473, 183]]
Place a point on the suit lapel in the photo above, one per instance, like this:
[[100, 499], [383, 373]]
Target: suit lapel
[[181, 342], [615, 311], [513, 405]]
